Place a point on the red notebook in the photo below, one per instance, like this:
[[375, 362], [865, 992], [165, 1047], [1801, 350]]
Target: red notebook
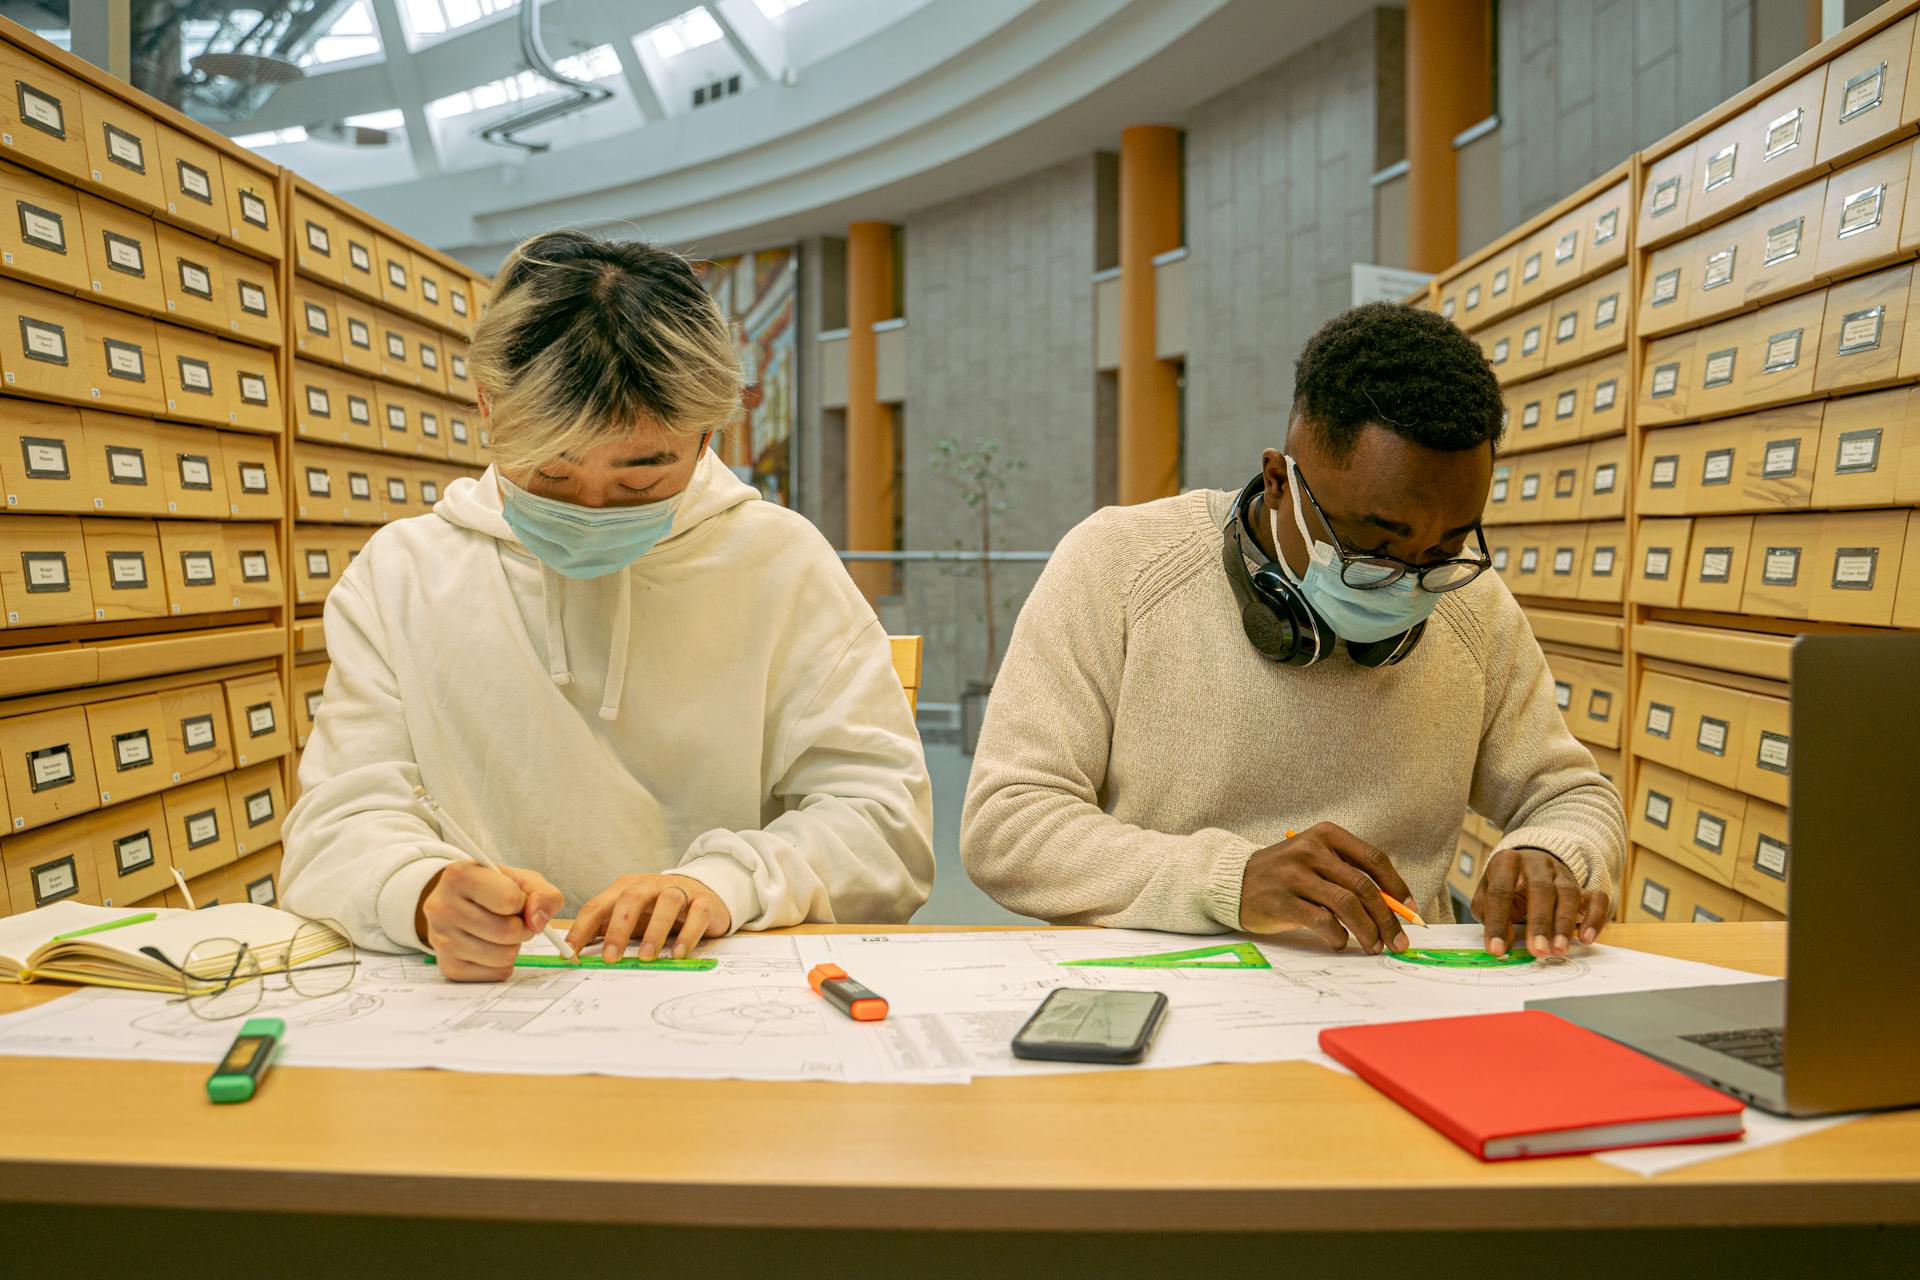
[[1508, 1085]]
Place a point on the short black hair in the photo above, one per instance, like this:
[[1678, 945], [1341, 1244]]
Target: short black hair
[[1413, 372]]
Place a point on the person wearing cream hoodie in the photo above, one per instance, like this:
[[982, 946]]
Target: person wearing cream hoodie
[[656, 700]]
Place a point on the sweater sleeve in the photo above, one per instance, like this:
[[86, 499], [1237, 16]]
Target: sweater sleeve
[[1034, 834], [1533, 778], [856, 839], [358, 846]]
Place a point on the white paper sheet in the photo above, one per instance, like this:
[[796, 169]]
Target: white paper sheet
[[1763, 1130], [956, 1000]]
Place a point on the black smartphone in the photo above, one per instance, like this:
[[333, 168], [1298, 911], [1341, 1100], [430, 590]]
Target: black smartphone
[[1074, 1024]]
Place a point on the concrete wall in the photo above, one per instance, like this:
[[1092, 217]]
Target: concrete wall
[[1279, 207], [999, 335]]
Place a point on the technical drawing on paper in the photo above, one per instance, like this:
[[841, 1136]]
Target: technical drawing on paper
[[175, 1019], [742, 1013], [516, 1003]]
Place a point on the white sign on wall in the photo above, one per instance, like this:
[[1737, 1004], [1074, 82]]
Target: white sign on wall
[[1373, 283]]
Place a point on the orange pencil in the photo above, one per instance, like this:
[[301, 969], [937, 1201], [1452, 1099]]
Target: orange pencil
[[1400, 909]]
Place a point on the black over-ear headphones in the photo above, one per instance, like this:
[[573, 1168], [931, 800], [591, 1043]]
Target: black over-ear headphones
[[1276, 617]]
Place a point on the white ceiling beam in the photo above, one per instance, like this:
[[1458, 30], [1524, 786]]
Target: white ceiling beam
[[756, 68], [616, 21], [403, 80]]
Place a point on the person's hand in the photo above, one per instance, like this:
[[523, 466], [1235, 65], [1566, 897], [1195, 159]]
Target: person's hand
[[1533, 886], [1328, 880], [663, 901], [475, 918]]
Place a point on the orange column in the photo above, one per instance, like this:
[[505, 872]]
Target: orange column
[[871, 430], [1449, 88], [1150, 185]]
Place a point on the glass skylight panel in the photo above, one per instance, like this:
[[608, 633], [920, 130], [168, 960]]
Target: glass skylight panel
[[351, 35], [690, 30], [430, 18], [597, 63], [390, 119], [272, 138], [775, 8]]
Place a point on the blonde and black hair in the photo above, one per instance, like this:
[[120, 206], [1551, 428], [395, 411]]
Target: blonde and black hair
[[588, 339]]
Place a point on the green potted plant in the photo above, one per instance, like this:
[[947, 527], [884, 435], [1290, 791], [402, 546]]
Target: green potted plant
[[980, 477]]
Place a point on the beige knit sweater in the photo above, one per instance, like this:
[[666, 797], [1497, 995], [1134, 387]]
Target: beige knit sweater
[[1137, 749]]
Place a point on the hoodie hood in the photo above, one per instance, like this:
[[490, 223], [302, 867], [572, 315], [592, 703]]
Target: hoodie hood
[[475, 505]]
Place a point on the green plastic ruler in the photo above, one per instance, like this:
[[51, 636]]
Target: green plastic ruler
[[665, 964], [1232, 955]]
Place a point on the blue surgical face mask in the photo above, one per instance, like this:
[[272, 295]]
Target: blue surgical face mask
[[584, 542], [1364, 616]]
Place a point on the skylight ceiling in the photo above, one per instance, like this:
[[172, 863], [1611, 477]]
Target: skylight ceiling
[[428, 20]]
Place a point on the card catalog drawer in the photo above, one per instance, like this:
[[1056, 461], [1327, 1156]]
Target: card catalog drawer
[[1657, 718], [1667, 382], [199, 385], [193, 277], [1668, 458], [1564, 483], [1604, 491], [315, 566], [398, 361], [253, 209], [1780, 355], [1716, 458], [123, 150], [1863, 444], [126, 464], [128, 738], [317, 246], [1717, 266], [1865, 92], [396, 275], [1529, 415], [47, 760], [196, 194], [123, 564], [1670, 283], [1567, 328], [1668, 194], [316, 321], [253, 298], [1709, 836], [1450, 295], [459, 378], [257, 712], [1782, 449], [253, 566], [1605, 317], [1860, 219], [1782, 244], [1659, 796], [1660, 558], [40, 231], [1766, 756], [1469, 856], [430, 482], [1725, 357], [55, 865], [253, 390], [1596, 717], [465, 297], [1529, 354], [1566, 545], [198, 739], [320, 483], [258, 803], [429, 354], [1760, 870], [1713, 725], [1780, 566], [1717, 564], [1860, 341], [430, 414], [397, 494], [1606, 388], [462, 436], [1856, 567], [43, 458], [429, 279], [1531, 484], [1785, 132], [255, 877], [1603, 575], [1606, 227], [361, 272], [360, 340], [361, 396], [319, 407], [124, 264], [192, 472], [199, 827], [309, 685], [123, 361], [43, 571], [197, 567], [40, 116], [399, 425], [44, 346], [132, 857]]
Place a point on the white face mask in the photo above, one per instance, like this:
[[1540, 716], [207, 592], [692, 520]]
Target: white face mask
[[1362, 616]]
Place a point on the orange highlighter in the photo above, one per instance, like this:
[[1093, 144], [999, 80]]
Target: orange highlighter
[[1400, 909], [846, 995]]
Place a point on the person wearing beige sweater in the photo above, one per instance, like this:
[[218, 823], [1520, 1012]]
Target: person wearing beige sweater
[[1195, 679]]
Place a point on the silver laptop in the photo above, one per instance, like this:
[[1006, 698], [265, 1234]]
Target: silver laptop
[[1842, 1032]]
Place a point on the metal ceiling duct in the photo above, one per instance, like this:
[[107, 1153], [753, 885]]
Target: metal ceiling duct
[[581, 94]]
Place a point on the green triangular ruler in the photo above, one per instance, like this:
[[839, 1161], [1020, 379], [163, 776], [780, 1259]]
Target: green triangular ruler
[[1231, 955]]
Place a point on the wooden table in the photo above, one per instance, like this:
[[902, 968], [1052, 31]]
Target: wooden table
[[1283, 1147]]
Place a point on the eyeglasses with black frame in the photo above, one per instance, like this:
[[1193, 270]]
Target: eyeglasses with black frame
[[1370, 573]]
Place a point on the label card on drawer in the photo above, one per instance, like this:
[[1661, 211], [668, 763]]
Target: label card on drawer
[[1600, 706], [132, 750], [1775, 748], [45, 459], [1863, 93], [396, 418], [1666, 380], [1500, 349], [1853, 568], [1603, 477], [460, 366], [1565, 404], [196, 471], [430, 289], [1565, 482], [396, 346], [1565, 247], [1530, 341], [1563, 562], [260, 719], [1783, 134], [194, 182], [1703, 916], [253, 389], [1500, 559], [50, 767], [1770, 857], [359, 487], [254, 567], [319, 482], [1603, 394], [1465, 862], [43, 340], [429, 492], [1717, 467], [259, 808], [1605, 311], [396, 275], [124, 149], [1562, 694], [1499, 484], [1530, 269], [1659, 809], [261, 892], [1719, 270], [42, 228], [396, 489], [253, 478], [126, 466], [318, 403], [202, 829], [54, 880], [429, 356], [459, 298], [1606, 226], [1861, 212], [1719, 368], [318, 240], [1666, 195], [1659, 720], [1719, 171], [318, 564], [1653, 895], [1783, 241], [195, 280], [1712, 737], [359, 334], [359, 410], [1563, 329], [1659, 561], [195, 376], [125, 360], [1781, 459], [127, 570], [1602, 566], [197, 733], [430, 425], [41, 109], [1781, 567], [1860, 330], [317, 321], [1716, 564], [253, 209], [133, 853], [1530, 560], [313, 704], [1666, 287], [197, 568], [45, 571], [1529, 487], [1857, 452], [1709, 832], [1530, 415], [253, 299], [359, 255], [125, 255], [1783, 351]]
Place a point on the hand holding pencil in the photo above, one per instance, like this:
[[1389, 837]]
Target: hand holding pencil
[[1330, 881]]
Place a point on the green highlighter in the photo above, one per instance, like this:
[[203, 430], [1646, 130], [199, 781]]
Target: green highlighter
[[239, 1072]]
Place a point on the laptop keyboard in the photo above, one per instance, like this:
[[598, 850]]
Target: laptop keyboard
[[1757, 1046]]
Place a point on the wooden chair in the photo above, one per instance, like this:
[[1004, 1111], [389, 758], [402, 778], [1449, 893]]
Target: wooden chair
[[906, 665]]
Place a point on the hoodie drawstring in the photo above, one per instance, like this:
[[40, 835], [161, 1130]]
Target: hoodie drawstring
[[556, 637], [551, 590]]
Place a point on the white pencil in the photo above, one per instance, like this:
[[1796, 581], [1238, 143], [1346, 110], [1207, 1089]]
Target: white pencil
[[458, 835]]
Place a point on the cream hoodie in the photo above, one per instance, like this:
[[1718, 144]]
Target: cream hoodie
[[725, 708]]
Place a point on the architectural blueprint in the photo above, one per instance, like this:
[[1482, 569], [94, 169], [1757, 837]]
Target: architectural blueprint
[[956, 1000]]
